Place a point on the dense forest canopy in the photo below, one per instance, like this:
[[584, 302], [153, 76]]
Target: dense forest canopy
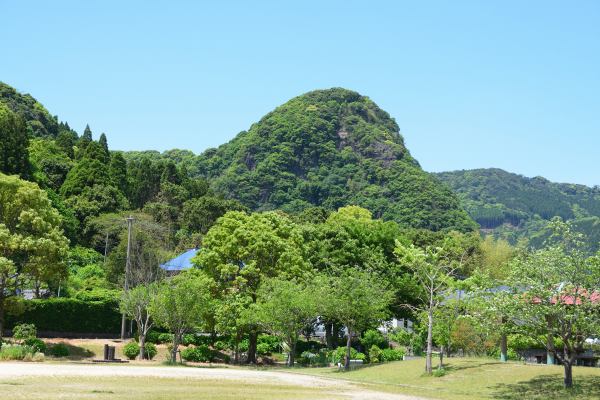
[[513, 206], [331, 148]]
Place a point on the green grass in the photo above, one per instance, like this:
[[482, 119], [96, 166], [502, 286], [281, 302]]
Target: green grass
[[45, 388], [472, 378]]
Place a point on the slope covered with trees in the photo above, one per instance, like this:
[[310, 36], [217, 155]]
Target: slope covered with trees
[[331, 148], [513, 206]]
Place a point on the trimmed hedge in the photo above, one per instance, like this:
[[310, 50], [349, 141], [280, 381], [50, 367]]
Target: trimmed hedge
[[69, 315]]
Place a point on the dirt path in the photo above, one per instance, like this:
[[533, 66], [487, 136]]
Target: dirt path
[[343, 388]]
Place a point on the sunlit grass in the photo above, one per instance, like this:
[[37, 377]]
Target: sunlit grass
[[472, 378]]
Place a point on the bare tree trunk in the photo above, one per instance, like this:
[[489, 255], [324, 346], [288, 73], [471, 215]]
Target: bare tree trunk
[[428, 361], [175, 346], [441, 357], [503, 348], [252, 339], [2, 304], [142, 345], [348, 347], [292, 355]]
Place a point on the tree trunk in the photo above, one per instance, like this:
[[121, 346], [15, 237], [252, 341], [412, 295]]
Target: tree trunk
[[292, 355], [348, 347], [329, 335], [2, 301], [568, 366], [428, 361], [142, 345], [175, 346], [252, 339], [441, 365], [503, 348]]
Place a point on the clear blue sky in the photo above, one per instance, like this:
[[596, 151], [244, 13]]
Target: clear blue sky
[[509, 84]]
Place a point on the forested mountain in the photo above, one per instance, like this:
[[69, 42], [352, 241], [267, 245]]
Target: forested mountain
[[331, 148], [513, 206]]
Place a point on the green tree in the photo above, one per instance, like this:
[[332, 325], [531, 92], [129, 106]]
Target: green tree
[[117, 172], [103, 142], [180, 304], [32, 245], [49, 162], [135, 303], [357, 299], [14, 153], [66, 141], [241, 250], [433, 270], [285, 308], [557, 295]]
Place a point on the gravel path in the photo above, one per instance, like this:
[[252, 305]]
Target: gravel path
[[343, 388]]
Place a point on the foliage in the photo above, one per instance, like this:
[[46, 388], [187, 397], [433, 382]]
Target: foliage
[[200, 353], [15, 352], [24, 331], [373, 337], [131, 350], [39, 121], [150, 351], [331, 148], [69, 315], [14, 154], [32, 245], [391, 355], [181, 304], [516, 207], [38, 345], [59, 350], [339, 355], [284, 308], [135, 303]]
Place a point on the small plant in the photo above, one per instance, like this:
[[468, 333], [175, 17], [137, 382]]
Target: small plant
[[59, 350], [263, 349], [23, 332], [220, 345], [438, 373], [375, 354], [36, 344], [391, 355], [165, 338], [200, 353], [150, 351], [131, 350], [15, 352]]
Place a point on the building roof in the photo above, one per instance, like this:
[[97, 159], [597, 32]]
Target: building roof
[[181, 262]]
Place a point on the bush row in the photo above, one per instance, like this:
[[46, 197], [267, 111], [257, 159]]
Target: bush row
[[68, 315]]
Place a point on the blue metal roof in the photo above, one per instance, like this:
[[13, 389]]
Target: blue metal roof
[[181, 262]]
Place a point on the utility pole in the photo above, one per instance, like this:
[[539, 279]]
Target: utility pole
[[127, 269]]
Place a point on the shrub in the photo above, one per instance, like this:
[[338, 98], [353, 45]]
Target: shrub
[[373, 337], [243, 346], [14, 351], [36, 344], [200, 353], [438, 373], [165, 338], [131, 350], [59, 350], [153, 337], [69, 315], [150, 351], [375, 354], [270, 343], [263, 349], [391, 355], [338, 355], [188, 339], [319, 359], [220, 345], [24, 331], [38, 357]]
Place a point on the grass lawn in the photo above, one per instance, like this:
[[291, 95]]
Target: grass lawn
[[473, 378], [130, 388]]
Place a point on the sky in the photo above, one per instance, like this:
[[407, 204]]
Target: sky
[[472, 84]]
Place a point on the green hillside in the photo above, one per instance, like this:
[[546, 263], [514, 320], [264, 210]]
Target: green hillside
[[40, 122], [514, 206], [331, 148]]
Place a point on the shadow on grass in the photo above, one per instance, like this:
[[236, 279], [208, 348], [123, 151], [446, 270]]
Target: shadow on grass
[[549, 387], [77, 353]]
